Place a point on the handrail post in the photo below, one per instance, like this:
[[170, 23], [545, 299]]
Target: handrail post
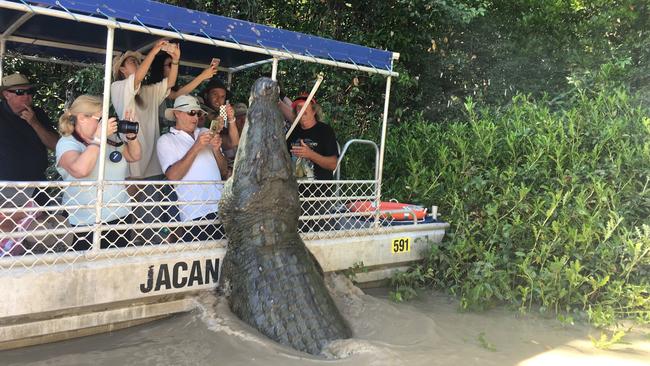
[[382, 146], [3, 48], [108, 66], [274, 69], [347, 145]]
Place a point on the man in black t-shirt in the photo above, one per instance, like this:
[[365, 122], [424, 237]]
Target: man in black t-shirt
[[314, 143], [26, 133], [313, 147]]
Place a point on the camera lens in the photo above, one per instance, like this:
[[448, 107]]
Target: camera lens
[[128, 127]]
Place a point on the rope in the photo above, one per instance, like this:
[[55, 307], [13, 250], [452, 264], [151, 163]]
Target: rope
[[66, 10]]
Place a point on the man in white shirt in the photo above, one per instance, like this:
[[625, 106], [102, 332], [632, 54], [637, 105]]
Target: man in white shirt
[[189, 153]]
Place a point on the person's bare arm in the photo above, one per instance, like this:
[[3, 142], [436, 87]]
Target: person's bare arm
[[143, 69], [48, 137], [233, 132], [173, 73], [178, 170], [286, 109], [80, 165], [222, 162], [304, 151], [133, 150], [189, 87]]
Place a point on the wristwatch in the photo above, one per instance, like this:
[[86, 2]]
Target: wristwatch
[[95, 141]]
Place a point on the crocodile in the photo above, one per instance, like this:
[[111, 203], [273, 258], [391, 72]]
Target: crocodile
[[270, 278]]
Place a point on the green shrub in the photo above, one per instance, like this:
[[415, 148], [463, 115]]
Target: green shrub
[[547, 208]]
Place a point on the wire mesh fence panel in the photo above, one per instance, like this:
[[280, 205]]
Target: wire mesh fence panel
[[44, 223], [331, 209]]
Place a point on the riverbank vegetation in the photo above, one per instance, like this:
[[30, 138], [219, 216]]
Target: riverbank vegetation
[[526, 122], [548, 209]]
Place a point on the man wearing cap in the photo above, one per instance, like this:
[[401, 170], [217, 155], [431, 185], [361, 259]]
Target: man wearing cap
[[26, 133], [191, 153]]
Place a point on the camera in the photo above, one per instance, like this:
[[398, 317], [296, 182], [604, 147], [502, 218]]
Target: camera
[[128, 127]]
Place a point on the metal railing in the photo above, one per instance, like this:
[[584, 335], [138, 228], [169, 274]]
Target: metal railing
[[342, 153], [44, 223]]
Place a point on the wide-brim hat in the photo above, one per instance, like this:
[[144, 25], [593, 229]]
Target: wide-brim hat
[[119, 60], [184, 103], [12, 80]]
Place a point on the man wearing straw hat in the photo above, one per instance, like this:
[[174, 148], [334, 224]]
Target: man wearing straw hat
[[26, 133]]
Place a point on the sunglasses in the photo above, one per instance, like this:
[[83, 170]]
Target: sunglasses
[[30, 91], [195, 113]]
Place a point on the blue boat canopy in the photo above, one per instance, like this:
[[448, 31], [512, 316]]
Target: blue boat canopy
[[78, 34]]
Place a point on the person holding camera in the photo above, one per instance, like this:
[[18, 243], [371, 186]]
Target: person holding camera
[[312, 142], [191, 153], [77, 159], [161, 68], [315, 153], [217, 99], [129, 94]]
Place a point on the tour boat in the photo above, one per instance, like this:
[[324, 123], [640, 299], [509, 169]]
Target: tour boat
[[51, 292]]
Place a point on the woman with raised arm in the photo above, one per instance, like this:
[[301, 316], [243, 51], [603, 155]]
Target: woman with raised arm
[[130, 95], [161, 68]]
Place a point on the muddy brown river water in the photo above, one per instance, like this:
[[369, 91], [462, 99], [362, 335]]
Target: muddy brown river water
[[427, 331]]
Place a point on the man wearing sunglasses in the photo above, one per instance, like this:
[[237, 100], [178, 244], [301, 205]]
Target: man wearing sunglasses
[[191, 153], [26, 133]]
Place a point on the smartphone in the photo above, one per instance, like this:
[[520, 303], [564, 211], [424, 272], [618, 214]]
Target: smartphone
[[169, 47], [222, 113], [215, 62], [214, 127]]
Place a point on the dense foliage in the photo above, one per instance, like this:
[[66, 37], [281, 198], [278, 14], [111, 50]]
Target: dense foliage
[[546, 208], [525, 121]]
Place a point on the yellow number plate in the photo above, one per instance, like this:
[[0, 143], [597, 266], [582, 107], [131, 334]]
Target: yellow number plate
[[400, 245]]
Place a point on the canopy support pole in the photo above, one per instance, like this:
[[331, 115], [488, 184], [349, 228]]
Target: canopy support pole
[[3, 48], [274, 70], [382, 146], [229, 80], [110, 36]]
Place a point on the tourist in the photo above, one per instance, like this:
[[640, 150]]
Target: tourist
[[191, 153], [77, 159]]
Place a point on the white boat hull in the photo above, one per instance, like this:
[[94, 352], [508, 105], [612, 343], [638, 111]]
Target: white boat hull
[[60, 301]]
